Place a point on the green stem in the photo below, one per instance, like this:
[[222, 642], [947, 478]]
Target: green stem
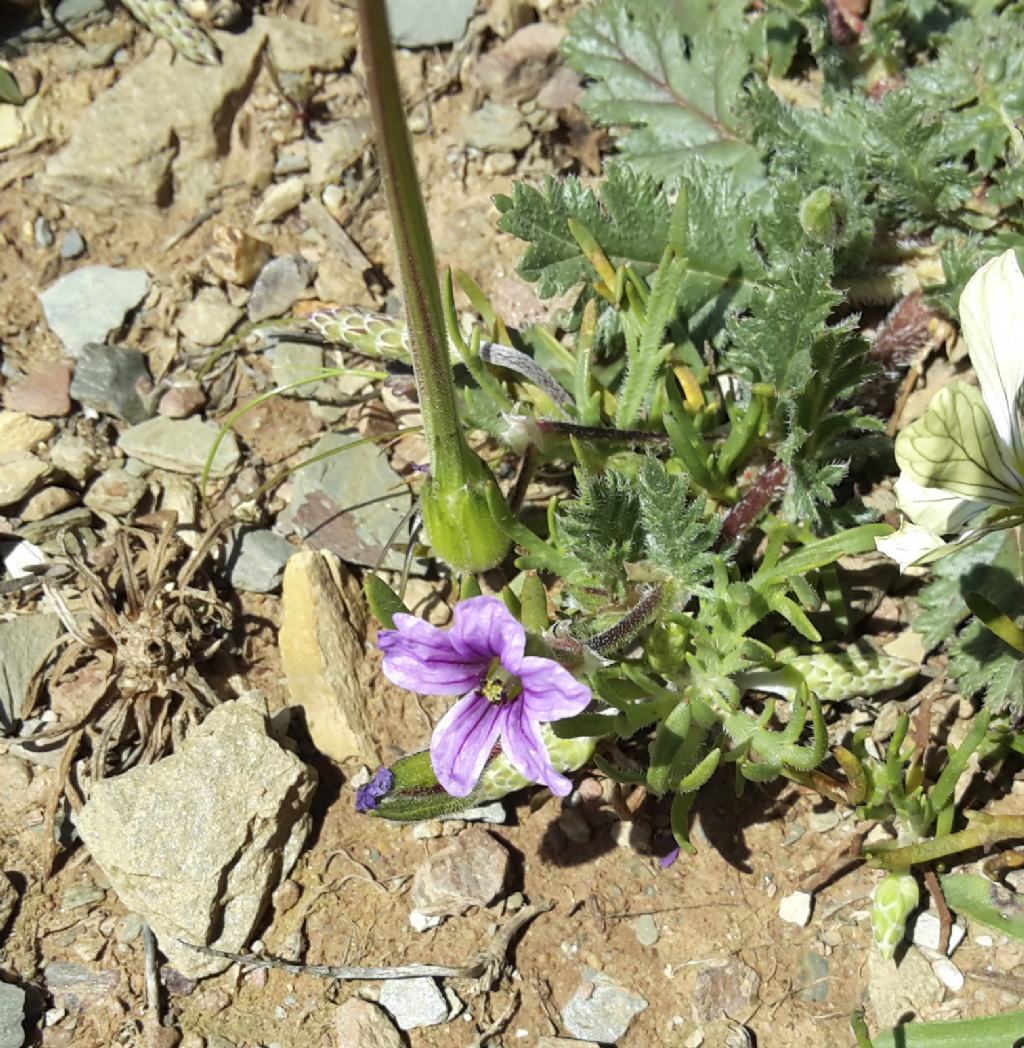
[[984, 830], [424, 316]]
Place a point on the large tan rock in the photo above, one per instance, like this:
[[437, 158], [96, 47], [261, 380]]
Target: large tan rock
[[323, 633], [159, 133], [197, 842]]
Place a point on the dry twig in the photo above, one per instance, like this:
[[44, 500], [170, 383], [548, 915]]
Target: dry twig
[[487, 966]]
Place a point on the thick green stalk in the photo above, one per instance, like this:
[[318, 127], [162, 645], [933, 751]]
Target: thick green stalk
[[424, 316], [456, 496]]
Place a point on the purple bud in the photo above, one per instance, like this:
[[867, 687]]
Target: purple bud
[[668, 860], [368, 796]]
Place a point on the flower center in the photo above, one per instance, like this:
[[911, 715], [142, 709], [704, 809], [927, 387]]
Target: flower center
[[500, 686]]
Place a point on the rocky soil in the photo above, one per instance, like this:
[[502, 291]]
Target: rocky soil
[[151, 211]]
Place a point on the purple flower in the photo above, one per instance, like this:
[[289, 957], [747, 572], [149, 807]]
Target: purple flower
[[368, 796], [505, 693]]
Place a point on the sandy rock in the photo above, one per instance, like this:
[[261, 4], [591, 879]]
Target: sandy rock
[[323, 630], [171, 122], [361, 1024], [414, 1003], [469, 872], [279, 284], [896, 989], [208, 318], [496, 128], [519, 67], [235, 256], [8, 900], [44, 391], [796, 908], [46, 503], [297, 48], [725, 990], [184, 398], [203, 871], [73, 455], [279, 199], [19, 432], [115, 492], [20, 472]]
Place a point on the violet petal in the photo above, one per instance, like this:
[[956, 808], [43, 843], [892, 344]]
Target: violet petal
[[422, 658], [462, 742], [525, 749], [484, 629], [550, 691]]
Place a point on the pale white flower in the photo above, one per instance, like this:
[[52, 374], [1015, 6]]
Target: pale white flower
[[962, 461]]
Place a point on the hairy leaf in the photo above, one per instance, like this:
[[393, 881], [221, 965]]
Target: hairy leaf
[[672, 73], [678, 535]]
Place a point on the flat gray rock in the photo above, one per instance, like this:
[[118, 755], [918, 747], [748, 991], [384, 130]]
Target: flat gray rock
[[114, 380], [89, 303], [197, 843], [415, 23], [496, 128], [413, 1003], [181, 445], [256, 563], [208, 318], [601, 1010], [350, 504], [24, 643], [278, 286], [292, 362], [12, 1016]]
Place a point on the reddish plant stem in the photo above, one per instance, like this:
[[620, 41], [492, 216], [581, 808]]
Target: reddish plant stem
[[754, 502]]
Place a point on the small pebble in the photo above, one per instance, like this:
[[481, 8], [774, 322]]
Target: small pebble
[[72, 245], [822, 822], [43, 232], [645, 929], [796, 908], [420, 922]]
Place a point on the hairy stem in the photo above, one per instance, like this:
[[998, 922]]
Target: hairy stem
[[424, 316]]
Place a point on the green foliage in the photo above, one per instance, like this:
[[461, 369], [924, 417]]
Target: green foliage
[[600, 530], [785, 340], [672, 73], [943, 608], [678, 533], [630, 218], [982, 664], [977, 83]]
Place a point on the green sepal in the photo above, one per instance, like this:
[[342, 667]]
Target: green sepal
[[384, 602]]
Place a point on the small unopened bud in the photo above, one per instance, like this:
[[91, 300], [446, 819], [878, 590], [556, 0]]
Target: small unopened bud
[[896, 898]]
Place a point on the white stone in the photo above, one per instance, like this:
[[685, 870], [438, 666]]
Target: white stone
[[796, 908]]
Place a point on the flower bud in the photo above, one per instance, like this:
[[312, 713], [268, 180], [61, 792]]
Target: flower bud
[[461, 528], [896, 897], [821, 215], [408, 791]]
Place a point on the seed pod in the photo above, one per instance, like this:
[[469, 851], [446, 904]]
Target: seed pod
[[860, 670], [895, 898], [166, 19]]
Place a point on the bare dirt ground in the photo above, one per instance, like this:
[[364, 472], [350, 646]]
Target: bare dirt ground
[[718, 906]]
